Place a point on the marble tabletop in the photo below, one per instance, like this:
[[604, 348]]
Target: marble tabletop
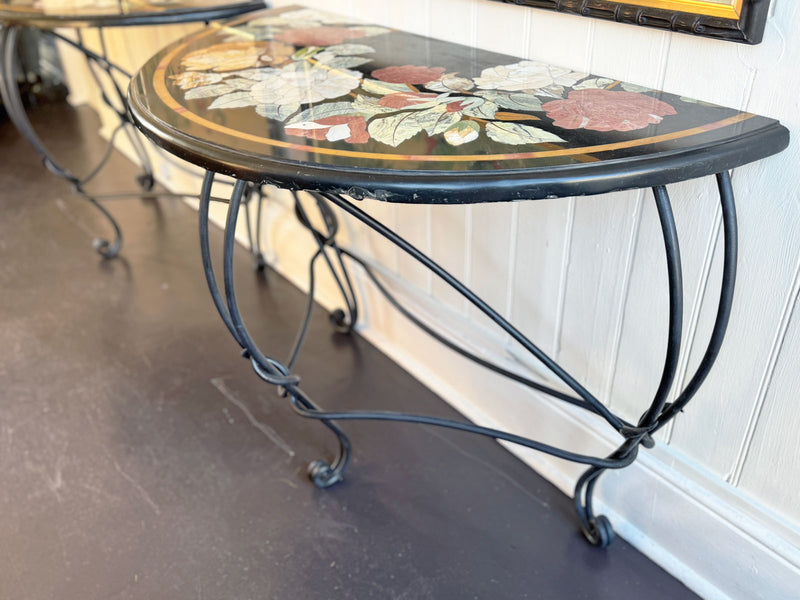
[[308, 99]]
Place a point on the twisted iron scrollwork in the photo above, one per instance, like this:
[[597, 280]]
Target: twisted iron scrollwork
[[322, 473], [103, 70], [255, 193], [98, 64], [596, 528]]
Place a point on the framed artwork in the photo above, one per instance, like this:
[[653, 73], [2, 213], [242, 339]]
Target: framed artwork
[[734, 20]]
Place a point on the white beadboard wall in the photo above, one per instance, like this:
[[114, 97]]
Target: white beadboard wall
[[718, 501]]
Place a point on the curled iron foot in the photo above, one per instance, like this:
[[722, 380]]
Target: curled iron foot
[[340, 322], [322, 475], [105, 248], [599, 533], [259, 262], [146, 181]]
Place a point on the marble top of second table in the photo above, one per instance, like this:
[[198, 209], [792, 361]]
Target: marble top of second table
[[111, 13], [309, 99]]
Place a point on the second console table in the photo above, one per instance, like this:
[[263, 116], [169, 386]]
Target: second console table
[[48, 16], [348, 111]]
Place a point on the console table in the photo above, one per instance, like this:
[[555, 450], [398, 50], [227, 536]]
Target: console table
[[346, 111], [47, 15]]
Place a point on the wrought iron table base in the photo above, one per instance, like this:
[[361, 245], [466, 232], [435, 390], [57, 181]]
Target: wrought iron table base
[[16, 111], [596, 528]]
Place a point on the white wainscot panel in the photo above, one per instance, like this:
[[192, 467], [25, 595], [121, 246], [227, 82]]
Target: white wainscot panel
[[727, 407], [643, 341], [413, 224], [503, 28], [632, 54], [369, 10], [491, 246], [543, 231], [561, 39], [771, 469], [410, 15], [449, 244], [602, 241], [454, 20]]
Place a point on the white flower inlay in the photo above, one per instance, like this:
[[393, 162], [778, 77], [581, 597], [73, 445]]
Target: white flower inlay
[[526, 75], [301, 83], [304, 17]]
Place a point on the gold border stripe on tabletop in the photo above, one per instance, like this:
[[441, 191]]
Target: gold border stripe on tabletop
[[160, 86]]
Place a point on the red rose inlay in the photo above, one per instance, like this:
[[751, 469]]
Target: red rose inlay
[[607, 110], [457, 106], [319, 36], [409, 74], [350, 129], [405, 99]]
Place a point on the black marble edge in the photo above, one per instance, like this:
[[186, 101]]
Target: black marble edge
[[182, 15], [466, 187]]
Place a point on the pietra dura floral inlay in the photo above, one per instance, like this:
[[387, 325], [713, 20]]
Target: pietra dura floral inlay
[[308, 87], [311, 71]]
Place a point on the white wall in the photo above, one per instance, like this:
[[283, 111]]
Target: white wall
[[585, 279]]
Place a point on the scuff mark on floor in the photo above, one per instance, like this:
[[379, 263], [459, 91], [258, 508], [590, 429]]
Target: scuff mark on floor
[[142, 492], [271, 434]]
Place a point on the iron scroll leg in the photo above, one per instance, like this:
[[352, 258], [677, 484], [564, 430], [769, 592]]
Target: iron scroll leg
[[584, 398], [145, 179], [255, 193], [322, 473], [16, 112], [597, 529], [277, 374], [728, 285], [342, 321]]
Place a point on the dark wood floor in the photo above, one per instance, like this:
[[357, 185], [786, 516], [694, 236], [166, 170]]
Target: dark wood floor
[[140, 457]]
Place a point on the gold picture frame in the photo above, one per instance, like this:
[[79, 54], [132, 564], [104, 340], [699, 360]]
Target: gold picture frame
[[728, 9], [734, 20]]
